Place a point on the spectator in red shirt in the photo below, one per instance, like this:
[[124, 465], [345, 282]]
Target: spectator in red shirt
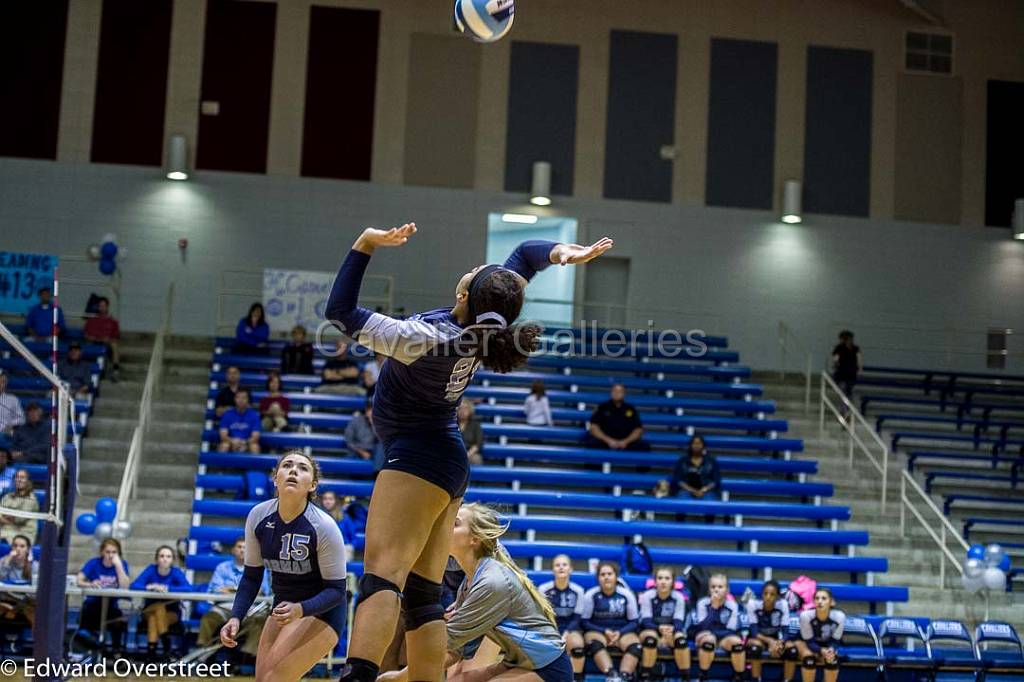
[[104, 328], [274, 407]]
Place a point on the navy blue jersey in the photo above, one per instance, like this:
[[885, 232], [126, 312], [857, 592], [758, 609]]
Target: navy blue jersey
[[566, 604], [764, 622], [818, 633], [300, 555], [617, 611], [429, 363], [720, 621], [655, 611]]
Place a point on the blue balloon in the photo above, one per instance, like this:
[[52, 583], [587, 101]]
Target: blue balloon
[[106, 509], [86, 523], [976, 552], [108, 250], [1004, 565], [107, 266]]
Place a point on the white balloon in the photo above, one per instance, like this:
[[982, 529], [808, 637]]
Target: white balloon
[[123, 530], [103, 531], [994, 555], [973, 568], [972, 585], [93, 252], [994, 579], [109, 237]]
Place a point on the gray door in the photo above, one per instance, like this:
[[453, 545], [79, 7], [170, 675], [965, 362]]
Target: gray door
[[606, 291]]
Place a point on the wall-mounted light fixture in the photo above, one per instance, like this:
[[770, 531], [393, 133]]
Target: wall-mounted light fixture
[[177, 158], [540, 187], [791, 202]]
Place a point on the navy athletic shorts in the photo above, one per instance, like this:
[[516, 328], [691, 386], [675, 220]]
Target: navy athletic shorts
[[439, 458], [558, 670], [335, 617]]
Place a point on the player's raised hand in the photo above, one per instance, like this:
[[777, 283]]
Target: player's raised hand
[[574, 254], [371, 237]]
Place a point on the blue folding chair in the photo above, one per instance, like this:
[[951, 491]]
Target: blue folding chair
[[860, 647], [904, 647], [952, 648], [999, 647]]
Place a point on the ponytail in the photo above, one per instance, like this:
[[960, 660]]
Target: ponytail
[[495, 301], [504, 349], [501, 555]]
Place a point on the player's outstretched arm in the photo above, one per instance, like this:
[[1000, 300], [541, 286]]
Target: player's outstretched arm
[[575, 254], [371, 238]]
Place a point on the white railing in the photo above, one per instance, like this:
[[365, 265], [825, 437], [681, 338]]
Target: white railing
[[789, 344], [873, 448], [937, 518], [130, 477]]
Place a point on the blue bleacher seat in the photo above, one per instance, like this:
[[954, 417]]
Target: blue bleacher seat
[[950, 500], [994, 460], [932, 476], [999, 647]]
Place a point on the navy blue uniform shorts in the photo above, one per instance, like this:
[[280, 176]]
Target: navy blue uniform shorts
[[335, 617], [558, 670], [439, 458]]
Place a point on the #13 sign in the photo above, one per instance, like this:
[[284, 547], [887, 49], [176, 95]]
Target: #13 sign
[[21, 277]]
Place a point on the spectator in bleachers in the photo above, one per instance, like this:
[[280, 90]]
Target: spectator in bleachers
[[274, 406], [76, 371], [11, 414], [39, 318], [18, 567], [160, 614], [226, 395], [847, 362], [537, 407], [472, 432], [371, 372], [610, 618], [7, 472], [252, 331], [663, 624], [31, 441], [360, 438], [22, 498], [104, 328], [240, 427], [565, 597], [696, 474], [768, 619], [616, 424], [341, 374], [106, 571], [329, 503], [225, 580], [297, 356], [821, 632], [717, 626]]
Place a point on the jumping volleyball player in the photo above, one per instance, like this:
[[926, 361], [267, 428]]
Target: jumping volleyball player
[[302, 546], [431, 359]]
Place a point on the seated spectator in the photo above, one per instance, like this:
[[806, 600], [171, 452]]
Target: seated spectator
[[7, 472], [160, 614], [360, 438], [329, 503], [252, 331], [696, 474], [225, 580], [615, 424], [297, 356], [104, 328], [22, 498], [240, 427], [11, 414], [275, 406], [371, 372], [18, 567], [39, 318], [76, 371], [226, 395], [717, 625], [341, 375], [31, 441], [472, 433], [538, 409], [106, 571]]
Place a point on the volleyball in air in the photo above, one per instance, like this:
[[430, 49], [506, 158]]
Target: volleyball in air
[[485, 21]]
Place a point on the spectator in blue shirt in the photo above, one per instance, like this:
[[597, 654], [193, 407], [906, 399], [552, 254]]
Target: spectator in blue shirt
[[225, 580], [107, 571], [160, 614], [39, 318], [252, 331], [240, 427]]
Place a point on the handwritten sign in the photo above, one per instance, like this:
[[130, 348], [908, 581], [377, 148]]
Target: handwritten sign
[[293, 297], [21, 277]]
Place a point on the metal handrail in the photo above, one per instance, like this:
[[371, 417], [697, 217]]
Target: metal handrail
[[850, 419], [154, 372], [946, 529], [788, 339]]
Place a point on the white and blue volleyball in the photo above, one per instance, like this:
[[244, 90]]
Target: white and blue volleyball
[[484, 20]]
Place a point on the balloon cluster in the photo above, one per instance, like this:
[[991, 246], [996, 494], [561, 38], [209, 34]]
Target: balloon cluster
[[106, 253], [985, 568], [101, 525]]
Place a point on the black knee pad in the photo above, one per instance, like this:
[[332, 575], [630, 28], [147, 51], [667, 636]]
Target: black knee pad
[[707, 646], [737, 648], [422, 602], [650, 642], [790, 653], [834, 665], [634, 650], [371, 584], [680, 643], [593, 647], [577, 652], [755, 651], [807, 663]]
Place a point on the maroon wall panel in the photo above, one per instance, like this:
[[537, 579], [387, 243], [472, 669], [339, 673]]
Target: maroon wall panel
[[31, 70], [131, 82], [341, 81], [238, 60]]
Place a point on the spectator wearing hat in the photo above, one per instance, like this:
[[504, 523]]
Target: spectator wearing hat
[[104, 328], [39, 318], [31, 441], [75, 371]]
